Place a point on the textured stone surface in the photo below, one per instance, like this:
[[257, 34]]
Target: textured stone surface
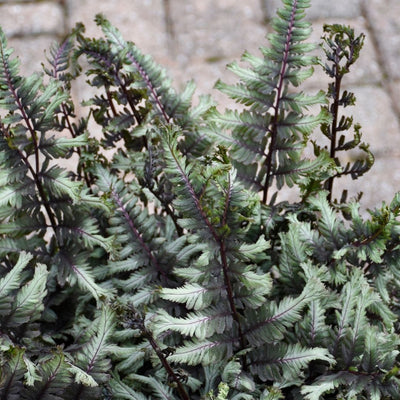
[[31, 52], [319, 8], [32, 18], [140, 21], [197, 38], [379, 123], [394, 87], [213, 30], [207, 35], [384, 19], [377, 185]]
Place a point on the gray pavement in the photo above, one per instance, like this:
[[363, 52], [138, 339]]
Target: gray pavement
[[197, 38]]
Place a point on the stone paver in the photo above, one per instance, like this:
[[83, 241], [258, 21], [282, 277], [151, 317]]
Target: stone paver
[[28, 19], [32, 52], [380, 129], [214, 30], [203, 46], [196, 39], [320, 9], [140, 21], [384, 18]]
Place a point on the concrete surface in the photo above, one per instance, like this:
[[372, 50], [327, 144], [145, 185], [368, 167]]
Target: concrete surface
[[197, 38]]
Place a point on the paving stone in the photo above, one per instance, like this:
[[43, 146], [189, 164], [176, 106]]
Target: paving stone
[[384, 18], [208, 35], [379, 184], [31, 52], [319, 8], [214, 30], [32, 18], [366, 70], [140, 21], [196, 39], [380, 126], [394, 87]]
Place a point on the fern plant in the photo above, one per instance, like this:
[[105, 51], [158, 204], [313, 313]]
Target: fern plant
[[342, 50], [268, 137], [162, 263]]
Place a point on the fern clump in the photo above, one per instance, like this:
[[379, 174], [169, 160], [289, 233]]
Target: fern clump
[[162, 262], [268, 137]]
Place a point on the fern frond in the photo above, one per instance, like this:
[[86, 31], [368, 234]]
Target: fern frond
[[326, 384], [60, 56], [93, 361], [81, 377], [157, 389], [193, 295], [202, 352], [132, 216], [236, 378], [12, 373], [328, 224], [54, 378], [267, 139], [55, 179], [166, 103], [123, 391], [198, 325], [58, 147], [12, 280], [274, 318], [285, 364], [356, 297], [28, 303], [84, 276]]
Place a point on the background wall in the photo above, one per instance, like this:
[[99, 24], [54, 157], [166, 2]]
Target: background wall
[[197, 38]]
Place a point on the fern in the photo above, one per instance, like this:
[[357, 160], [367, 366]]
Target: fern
[[162, 263], [268, 138], [342, 50]]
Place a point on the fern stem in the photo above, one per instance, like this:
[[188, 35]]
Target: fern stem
[[34, 171], [86, 176], [138, 117], [366, 241], [7, 389], [125, 91], [110, 101], [182, 392], [229, 292], [22, 110], [168, 210], [50, 379], [219, 240], [38, 184], [64, 110], [279, 88], [225, 269], [335, 115]]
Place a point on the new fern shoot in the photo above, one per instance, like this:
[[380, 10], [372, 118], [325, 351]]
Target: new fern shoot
[[171, 269]]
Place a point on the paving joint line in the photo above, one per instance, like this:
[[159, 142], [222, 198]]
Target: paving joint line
[[169, 26], [386, 81]]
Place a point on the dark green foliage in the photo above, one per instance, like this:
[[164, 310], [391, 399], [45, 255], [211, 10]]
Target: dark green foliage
[[160, 264]]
